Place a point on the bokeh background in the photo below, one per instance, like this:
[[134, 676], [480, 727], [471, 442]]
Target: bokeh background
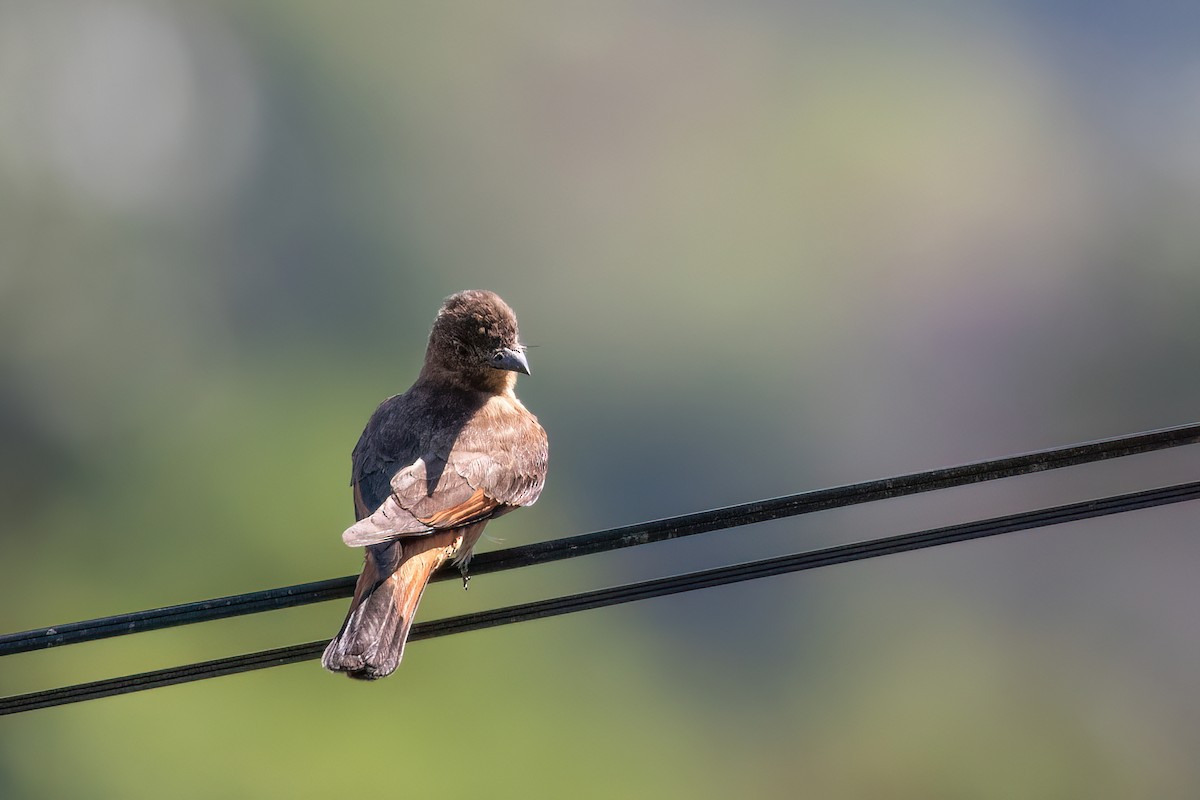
[[761, 247]]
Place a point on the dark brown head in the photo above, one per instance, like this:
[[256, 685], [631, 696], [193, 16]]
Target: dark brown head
[[474, 343]]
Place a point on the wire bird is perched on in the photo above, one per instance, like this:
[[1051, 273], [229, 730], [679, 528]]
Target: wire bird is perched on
[[432, 467]]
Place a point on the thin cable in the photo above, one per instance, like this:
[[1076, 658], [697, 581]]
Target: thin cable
[[658, 587], [615, 538]]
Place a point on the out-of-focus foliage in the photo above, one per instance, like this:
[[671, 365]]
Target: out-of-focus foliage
[[761, 247]]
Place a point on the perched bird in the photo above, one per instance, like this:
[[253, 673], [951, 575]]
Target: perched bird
[[431, 468]]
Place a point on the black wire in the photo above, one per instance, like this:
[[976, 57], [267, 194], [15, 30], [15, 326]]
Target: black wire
[[615, 538], [658, 587]]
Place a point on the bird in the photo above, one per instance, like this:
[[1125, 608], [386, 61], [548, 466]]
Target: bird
[[432, 467]]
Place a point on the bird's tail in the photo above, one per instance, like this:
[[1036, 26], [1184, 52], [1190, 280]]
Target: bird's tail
[[371, 641]]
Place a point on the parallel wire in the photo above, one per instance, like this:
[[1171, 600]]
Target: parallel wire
[[615, 538], [659, 587]]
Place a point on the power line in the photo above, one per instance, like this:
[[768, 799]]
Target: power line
[[615, 538], [658, 587]]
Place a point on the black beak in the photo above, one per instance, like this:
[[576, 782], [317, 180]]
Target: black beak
[[511, 360]]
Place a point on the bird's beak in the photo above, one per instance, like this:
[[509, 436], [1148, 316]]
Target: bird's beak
[[512, 360]]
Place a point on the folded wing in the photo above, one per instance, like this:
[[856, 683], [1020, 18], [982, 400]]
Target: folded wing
[[497, 461]]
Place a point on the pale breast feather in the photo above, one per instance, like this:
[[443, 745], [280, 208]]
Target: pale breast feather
[[503, 451]]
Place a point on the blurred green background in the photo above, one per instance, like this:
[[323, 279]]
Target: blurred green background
[[762, 247]]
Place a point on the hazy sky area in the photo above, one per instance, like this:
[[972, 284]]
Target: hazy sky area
[[759, 248]]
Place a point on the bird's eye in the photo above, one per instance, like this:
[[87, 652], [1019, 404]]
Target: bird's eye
[[498, 357]]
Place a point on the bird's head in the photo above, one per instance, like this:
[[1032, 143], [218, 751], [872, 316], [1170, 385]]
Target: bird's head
[[474, 342]]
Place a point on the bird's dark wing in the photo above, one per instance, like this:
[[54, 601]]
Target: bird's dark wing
[[497, 459], [408, 439], [389, 442]]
